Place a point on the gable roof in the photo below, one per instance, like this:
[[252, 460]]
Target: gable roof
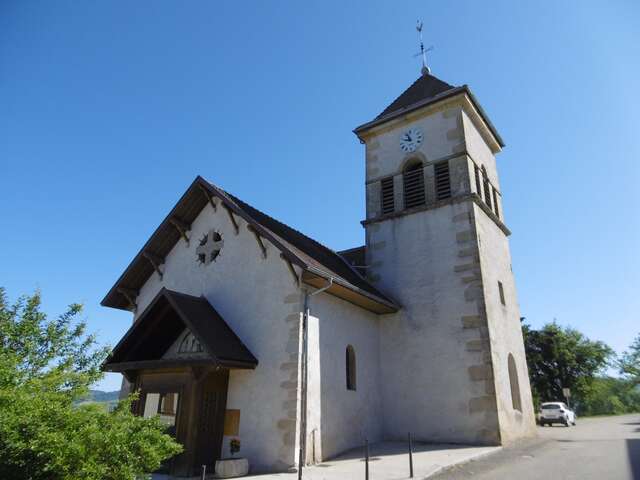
[[166, 317], [317, 262], [426, 90]]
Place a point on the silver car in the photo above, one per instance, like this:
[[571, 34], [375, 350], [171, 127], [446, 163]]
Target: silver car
[[556, 412]]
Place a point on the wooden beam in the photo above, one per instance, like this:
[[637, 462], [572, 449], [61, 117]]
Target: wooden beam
[[232, 218], [210, 197], [261, 244], [130, 294], [182, 228], [130, 375], [198, 372], [291, 269], [155, 261]]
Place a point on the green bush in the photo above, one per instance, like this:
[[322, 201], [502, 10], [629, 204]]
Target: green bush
[[45, 368]]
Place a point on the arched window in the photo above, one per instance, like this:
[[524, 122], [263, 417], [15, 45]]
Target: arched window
[[413, 179], [515, 385], [351, 368]]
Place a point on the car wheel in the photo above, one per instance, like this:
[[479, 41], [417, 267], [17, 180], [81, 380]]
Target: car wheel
[[566, 423]]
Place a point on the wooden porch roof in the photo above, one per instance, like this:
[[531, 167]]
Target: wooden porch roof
[[163, 321]]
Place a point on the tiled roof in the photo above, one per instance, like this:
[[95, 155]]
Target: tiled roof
[[311, 251], [168, 314], [425, 87], [311, 256]]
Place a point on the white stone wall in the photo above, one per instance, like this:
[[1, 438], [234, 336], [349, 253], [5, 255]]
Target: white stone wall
[[504, 329], [259, 300], [427, 386], [443, 136], [479, 150], [347, 416], [503, 321]]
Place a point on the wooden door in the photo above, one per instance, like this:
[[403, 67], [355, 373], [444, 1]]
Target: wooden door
[[210, 421]]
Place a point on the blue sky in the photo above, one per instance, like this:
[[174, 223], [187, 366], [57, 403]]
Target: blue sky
[[109, 109]]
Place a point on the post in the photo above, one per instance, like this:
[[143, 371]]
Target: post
[[304, 377], [366, 459], [410, 457], [204, 472]]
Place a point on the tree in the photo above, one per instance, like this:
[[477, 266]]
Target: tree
[[46, 366], [610, 396], [562, 357], [629, 362]]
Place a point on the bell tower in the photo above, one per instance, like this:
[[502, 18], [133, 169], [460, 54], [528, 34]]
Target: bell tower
[[452, 360]]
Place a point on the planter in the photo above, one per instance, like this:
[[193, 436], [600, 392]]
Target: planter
[[232, 467]]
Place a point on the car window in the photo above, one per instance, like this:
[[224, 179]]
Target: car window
[[551, 407]]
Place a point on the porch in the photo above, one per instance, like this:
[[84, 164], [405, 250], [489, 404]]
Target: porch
[[178, 355]]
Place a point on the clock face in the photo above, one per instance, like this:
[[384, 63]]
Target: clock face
[[410, 140]]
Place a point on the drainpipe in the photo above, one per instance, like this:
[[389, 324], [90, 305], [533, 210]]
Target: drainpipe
[[305, 374]]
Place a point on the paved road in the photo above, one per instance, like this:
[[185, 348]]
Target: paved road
[[606, 448]]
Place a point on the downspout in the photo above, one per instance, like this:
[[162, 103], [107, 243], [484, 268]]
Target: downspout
[[305, 375]]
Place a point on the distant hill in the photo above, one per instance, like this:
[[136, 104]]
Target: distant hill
[[102, 396]]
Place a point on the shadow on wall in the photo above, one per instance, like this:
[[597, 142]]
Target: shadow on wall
[[633, 450]]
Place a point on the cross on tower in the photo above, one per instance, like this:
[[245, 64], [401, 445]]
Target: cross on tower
[[210, 247]]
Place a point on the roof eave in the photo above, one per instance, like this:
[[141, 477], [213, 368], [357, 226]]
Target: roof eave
[[359, 131], [383, 305], [110, 299]]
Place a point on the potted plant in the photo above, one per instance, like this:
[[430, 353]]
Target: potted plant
[[232, 467]]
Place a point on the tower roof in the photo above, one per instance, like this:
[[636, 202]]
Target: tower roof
[[425, 87], [427, 90]]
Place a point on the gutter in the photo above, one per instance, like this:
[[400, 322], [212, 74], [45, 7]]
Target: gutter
[[305, 375]]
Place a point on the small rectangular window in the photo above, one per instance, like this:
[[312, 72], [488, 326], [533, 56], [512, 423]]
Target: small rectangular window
[[442, 180], [501, 289], [413, 187], [495, 203], [386, 195]]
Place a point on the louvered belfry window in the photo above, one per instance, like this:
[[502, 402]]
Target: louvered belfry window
[[476, 170], [495, 203], [487, 188], [386, 195], [413, 178], [442, 180]]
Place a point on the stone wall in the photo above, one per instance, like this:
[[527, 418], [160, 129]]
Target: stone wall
[[260, 301], [347, 416]]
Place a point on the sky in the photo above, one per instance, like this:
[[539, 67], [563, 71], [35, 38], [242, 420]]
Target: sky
[[110, 109]]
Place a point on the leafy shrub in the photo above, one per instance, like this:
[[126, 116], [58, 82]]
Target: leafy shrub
[[46, 367]]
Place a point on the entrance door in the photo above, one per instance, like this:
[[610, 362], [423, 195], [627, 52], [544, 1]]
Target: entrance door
[[210, 423]]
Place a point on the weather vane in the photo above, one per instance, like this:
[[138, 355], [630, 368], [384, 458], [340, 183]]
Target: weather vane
[[423, 53]]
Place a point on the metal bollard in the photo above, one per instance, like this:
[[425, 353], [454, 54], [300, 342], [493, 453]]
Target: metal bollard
[[410, 457], [366, 459], [204, 472]]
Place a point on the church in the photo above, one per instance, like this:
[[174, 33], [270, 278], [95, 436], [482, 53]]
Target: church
[[244, 328]]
